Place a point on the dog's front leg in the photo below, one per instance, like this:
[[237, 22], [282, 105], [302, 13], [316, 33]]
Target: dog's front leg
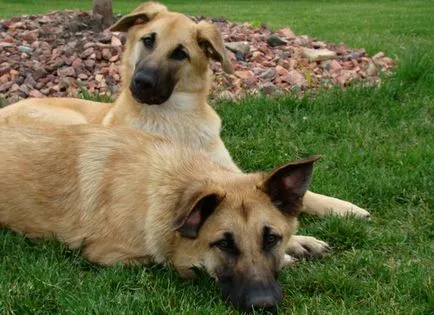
[[322, 205], [306, 246]]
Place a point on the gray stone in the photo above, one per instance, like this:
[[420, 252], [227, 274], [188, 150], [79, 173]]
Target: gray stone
[[274, 41], [378, 55], [242, 47], [66, 72], [318, 54], [24, 89], [268, 74], [30, 80], [239, 55], [268, 88], [25, 49]]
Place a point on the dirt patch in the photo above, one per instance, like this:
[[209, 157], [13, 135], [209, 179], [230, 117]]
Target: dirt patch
[[61, 53]]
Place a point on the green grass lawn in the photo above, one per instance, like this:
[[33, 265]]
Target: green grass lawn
[[377, 148]]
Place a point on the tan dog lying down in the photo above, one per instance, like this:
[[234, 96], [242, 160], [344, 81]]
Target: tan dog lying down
[[166, 81], [131, 197]]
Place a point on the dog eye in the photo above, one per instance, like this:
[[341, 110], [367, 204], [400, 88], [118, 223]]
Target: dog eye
[[179, 54], [224, 245], [148, 41], [270, 240]]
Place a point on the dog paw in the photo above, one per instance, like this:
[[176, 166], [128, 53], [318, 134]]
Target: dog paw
[[288, 260], [359, 212], [306, 246]]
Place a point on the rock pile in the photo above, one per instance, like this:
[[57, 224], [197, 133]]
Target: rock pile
[[61, 53]]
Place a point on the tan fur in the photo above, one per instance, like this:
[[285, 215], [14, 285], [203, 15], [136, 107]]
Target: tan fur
[[125, 196], [186, 115]]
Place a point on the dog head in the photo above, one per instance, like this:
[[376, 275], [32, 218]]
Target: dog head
[[167, 52], [238, 231]]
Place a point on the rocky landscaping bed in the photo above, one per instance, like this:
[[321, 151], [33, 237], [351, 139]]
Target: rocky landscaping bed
[[63, 53]]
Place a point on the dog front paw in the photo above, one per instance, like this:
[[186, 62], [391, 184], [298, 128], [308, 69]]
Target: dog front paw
[[306, 247]]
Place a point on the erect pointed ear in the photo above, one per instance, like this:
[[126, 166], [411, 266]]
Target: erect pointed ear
[[195, 206], [211, 42], [287, 185], [141, 15]]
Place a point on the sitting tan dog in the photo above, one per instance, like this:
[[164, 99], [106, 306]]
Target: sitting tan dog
[[125, 196], [166, 82]]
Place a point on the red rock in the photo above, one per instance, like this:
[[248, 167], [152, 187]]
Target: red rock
[[114, 58], [88, 52], [287, 32], [269, 64], [116, 41], [35, 93], [292, 64], [281, 71], [371, 69], [90, 64], [106, 54], [4, 45], [250, 82], [88, 45], [346, 76], [244, 74], [5, 86], [347, 65], [5, 68], [256, 56], [342, 49], [66, 72], [334, 66], [29, 36], [5, 78], [38, 72], [77, 63], [296, 78], [16, 25], [268, 88]]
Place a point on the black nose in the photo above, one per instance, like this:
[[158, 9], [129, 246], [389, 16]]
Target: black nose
[[145, 80], [254, 295], [260, 296], [151, 86], [265, 303]]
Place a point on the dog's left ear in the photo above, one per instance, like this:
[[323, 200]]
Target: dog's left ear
[[287, 185], [195, 206], [141, 15], [211, 42]]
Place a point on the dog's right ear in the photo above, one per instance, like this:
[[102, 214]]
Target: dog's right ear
[[141, 15], [287, 185], [195, 206]]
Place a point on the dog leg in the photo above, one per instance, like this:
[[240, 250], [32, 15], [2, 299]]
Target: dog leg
[[306, 246], [322, 205]]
